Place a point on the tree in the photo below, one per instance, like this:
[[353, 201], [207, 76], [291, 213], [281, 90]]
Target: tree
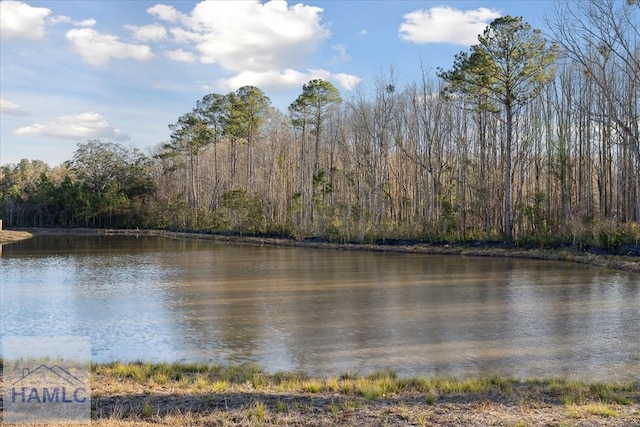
[[110, 177], [212, 109], [308, 114], [247, 111], [190, 134], [603, 37], [98, 164], [509, 67], [312, 107]]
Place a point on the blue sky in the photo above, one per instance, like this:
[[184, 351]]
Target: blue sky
[[122, 71]]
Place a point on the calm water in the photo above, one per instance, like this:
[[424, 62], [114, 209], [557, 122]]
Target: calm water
[[324, 312]]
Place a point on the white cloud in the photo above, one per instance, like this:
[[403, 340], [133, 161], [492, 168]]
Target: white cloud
[[341, 54], [99, 49], [148, 33], [85, 23], [363, 32], [19, 20], [11, 108], [62, 19], [280, 80], [89, 125], [444, 24], [166, 13], [347, 81], [181, 56], [248, 35]]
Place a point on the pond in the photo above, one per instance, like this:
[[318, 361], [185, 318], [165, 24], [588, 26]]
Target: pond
[[324, 312]]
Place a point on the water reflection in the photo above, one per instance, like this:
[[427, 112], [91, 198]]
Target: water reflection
[[324, 312]]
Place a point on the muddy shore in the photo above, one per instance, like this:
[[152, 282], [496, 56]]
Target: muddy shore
[[489, 249]]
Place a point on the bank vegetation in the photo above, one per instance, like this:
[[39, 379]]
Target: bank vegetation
[[141, 393]]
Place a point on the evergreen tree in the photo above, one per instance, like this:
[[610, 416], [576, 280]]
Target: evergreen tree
[[508, 67]]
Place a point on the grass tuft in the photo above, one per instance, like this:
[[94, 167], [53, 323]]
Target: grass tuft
[[220, 386], [311, 386], [258, 411], [348, 375], [147, 408], [282, 406], [601, 409]]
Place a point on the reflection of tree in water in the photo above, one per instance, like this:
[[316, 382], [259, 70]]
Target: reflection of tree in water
[[329, 312], [203, 296]]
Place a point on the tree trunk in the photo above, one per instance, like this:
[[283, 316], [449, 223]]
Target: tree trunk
[[507, 174]]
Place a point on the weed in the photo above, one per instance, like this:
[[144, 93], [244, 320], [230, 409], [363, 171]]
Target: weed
[[430, 398], [334, 410], [219, 386], [201, 382], [161, 378], [332, 384], [404, 411], [348, 376], [282, 406], [347, 386], [420, 384], [568, 400], [258, 411], [386, 373], [601, 409], [351, 404], [505, 385], [288, 377], [466, 385], [311, 386], [134, 371], [146, 409], [369, 389], [610, 393]]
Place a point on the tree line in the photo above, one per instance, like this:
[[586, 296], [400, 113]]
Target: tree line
[[527, 138]]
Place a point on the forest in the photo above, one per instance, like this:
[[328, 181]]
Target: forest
[[532, 137]]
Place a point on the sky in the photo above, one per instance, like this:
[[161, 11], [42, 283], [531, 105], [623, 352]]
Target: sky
[[122, 71]]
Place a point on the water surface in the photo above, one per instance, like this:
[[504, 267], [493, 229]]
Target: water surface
[[323, 311]]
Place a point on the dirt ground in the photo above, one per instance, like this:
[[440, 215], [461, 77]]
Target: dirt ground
[[209, 400], [274, 409]]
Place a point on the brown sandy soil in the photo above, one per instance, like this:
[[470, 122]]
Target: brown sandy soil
[[617, 262], [8, 236]]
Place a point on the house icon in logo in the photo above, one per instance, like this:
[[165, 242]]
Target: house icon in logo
[[50, 375], [48, 384]]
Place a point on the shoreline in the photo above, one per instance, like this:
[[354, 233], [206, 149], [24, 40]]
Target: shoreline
[[139, 393], [616, 262], [10, 236]]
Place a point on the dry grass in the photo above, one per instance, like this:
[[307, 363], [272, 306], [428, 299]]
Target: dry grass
[[8, 236], [141, 394]]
